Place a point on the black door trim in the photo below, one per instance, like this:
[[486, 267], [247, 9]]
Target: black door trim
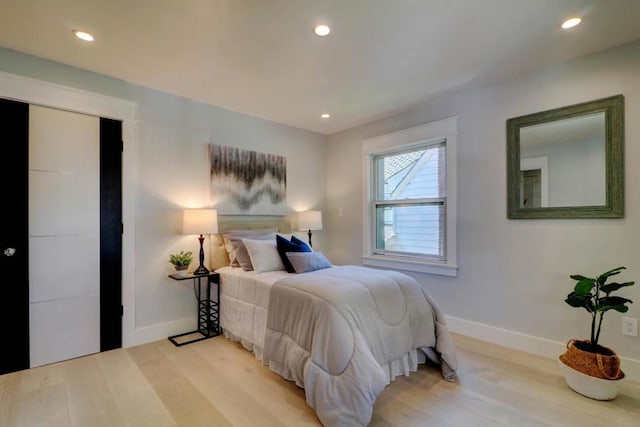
[[110, 234], [14, 172]]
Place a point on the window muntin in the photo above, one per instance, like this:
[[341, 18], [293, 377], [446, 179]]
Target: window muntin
[[409, 206]]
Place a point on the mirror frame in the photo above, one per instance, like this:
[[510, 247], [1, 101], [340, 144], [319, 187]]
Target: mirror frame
[[613, 107]]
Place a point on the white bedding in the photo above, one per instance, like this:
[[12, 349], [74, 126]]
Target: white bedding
[[244, 299], [341, 390]]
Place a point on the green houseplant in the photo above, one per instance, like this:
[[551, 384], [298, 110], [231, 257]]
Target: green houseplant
[[181, 261], [588, 357]]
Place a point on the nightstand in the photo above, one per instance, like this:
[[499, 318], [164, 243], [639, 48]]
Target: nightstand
[[208, 324]]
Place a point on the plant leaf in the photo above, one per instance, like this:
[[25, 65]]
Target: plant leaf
[[611, 287], [580, 277], [584, 287], [615, 300], [620, 308], [576, 300], [613, 303], [603, 277]]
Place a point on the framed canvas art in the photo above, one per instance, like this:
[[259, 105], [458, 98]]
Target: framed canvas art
[[245, 182]]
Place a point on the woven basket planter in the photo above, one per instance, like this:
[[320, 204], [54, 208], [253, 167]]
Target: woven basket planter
[[604, 366]]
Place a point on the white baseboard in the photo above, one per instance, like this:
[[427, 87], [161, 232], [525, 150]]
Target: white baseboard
[[160, 331], [527, 343]]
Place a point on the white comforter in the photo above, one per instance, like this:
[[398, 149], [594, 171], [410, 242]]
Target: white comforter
[[332, 330]]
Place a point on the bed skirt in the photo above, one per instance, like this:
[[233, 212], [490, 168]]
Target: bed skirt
[[249, 346], [402, 366]]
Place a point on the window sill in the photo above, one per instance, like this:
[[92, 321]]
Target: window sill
[[397, 263]]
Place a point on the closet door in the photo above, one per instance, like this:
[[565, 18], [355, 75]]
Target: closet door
[[14, 250], [64, 235]]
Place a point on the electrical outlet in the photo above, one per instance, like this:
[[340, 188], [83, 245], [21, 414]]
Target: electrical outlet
[[630, 326]]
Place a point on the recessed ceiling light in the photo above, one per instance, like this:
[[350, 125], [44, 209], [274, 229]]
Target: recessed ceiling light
[[325, 115], [322, 30], [571, 22], [82, 35]]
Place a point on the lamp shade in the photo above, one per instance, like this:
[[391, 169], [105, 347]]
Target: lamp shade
[[310, 220], [200, 221]]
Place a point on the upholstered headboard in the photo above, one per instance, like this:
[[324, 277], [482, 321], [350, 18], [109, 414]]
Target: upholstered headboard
[[218, 254]]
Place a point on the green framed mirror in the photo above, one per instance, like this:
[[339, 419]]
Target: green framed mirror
[[567, 162]]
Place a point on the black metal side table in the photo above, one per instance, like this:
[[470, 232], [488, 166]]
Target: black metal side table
[[208, 310]]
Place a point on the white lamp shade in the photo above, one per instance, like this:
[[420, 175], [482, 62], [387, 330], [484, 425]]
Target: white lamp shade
[[310, 220], [200, 221]]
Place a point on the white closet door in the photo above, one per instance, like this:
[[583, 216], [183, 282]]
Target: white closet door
[[64, 235]]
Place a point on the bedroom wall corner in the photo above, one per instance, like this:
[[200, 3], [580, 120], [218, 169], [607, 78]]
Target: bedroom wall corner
[[513, 274], [172, 173]]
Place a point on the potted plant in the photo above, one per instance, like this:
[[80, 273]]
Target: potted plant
[[181, 261], [590, 368]]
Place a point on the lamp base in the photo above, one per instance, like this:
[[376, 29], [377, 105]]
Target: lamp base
[[201, 270]]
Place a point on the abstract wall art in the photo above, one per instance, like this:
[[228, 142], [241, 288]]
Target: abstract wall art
[[245, 182]]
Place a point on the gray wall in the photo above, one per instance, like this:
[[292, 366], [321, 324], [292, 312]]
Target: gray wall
[[172, 173], [577, 174], [514, 274]]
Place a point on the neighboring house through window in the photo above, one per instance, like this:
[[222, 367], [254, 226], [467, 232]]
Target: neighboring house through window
[[409, 210], [410, 202]]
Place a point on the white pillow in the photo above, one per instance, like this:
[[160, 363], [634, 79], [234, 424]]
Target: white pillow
[[264, 255], [241, 253], [239, 234]]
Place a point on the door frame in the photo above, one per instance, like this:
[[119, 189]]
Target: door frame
[[542, 163], [52, 95]]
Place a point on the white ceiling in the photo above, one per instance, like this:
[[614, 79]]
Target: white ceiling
[[260, 57]]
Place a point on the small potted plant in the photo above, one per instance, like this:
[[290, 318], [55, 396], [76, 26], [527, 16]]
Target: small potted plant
[[590, 368], [181, 261]]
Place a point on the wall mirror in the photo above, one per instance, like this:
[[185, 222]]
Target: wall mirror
[[567, 162]]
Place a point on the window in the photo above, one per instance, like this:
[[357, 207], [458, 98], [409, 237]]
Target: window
[[410, 202], [409, 210]]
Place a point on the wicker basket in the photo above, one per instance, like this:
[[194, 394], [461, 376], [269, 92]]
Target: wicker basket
[[592, 364]]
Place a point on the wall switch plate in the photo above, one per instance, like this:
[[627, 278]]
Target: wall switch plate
[[630, 326]]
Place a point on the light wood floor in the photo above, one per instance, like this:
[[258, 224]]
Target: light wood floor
[[218, 383]]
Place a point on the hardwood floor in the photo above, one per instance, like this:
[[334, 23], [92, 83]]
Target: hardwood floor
[[218, 383]]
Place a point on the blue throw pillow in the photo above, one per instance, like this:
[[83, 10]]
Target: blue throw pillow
[[285, 246], [297, 241]]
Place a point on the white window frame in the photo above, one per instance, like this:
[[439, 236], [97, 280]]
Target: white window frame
[[445, 129]]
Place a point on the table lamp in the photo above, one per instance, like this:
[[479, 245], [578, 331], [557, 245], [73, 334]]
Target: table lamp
[[200, 221], [310, 220]]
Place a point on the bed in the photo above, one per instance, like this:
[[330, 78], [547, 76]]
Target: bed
[[340, 332]]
